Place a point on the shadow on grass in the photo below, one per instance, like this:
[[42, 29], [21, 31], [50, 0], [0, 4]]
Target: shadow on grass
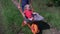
[[42, 26]]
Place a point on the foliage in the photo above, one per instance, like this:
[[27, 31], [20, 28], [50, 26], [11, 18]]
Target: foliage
[[56, 2]]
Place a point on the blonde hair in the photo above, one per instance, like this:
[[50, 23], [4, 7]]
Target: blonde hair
[[27, 5]]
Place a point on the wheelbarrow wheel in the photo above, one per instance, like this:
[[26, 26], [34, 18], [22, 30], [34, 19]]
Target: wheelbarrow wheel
[[34, 28]]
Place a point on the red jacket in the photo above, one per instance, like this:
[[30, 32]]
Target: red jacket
[[28, 13]]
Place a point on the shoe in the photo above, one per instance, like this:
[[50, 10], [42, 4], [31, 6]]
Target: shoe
[[24, 23]]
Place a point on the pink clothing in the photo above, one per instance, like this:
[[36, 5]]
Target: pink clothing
[[28, 13]]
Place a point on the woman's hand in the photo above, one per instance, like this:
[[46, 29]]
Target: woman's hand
[[19, 5]]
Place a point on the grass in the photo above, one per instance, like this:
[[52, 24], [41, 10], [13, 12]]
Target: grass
[[13, 18]]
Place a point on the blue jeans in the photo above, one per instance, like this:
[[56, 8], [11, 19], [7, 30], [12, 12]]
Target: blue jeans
[[24, 2]]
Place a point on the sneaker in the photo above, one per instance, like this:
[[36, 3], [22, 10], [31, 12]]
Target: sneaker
[[24, 23]]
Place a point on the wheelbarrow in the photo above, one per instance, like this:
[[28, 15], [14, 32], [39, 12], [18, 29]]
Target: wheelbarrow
[[36, 26]]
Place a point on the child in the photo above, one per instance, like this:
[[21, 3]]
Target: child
[[29, 15]]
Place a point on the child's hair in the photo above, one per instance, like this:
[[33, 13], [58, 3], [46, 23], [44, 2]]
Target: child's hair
[[27, 5]]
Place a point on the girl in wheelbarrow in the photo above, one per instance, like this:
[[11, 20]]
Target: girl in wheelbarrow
[[30, 16]]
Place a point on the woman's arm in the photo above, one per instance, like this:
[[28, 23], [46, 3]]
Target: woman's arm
[[31, 5], [18, 6], [20, 1], [20, 9]]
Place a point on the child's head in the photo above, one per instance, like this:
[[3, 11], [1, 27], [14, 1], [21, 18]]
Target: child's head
[[27, 7], [28, 13]]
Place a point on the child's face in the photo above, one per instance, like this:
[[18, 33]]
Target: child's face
[[27, 7]]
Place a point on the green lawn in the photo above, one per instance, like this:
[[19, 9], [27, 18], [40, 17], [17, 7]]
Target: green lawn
[[13, 18]]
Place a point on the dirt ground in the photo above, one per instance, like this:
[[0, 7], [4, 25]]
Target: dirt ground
[[51, 31]]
